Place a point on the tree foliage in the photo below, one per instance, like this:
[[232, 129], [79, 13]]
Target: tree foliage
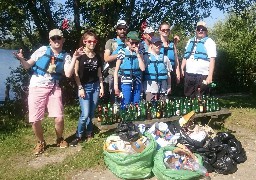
[[236, 62]]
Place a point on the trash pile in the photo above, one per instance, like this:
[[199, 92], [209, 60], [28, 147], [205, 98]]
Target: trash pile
[[178, 150]]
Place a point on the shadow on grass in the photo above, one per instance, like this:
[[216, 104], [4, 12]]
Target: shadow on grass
[[238, 101]]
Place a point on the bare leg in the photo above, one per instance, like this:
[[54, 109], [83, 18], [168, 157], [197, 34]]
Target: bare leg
[[59, 126], [38, 130]]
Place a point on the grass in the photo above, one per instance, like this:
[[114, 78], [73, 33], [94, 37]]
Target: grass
[[17, 141]]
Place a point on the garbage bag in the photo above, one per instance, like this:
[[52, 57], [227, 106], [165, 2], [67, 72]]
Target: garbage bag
[[163, 173], [132, 166], [128, 131]]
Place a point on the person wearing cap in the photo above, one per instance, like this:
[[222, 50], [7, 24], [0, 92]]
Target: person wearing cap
[[112, 48], [148, 33], [198, 62], [129, 66], [169, 49], [157, 82], [48, 64]]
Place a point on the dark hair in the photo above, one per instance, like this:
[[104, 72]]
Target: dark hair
[[164, 23], [84, 36]]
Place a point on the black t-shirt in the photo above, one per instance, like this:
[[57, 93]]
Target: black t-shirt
[[88, 68]]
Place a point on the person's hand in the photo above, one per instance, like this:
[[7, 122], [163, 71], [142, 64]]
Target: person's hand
[[101, 93], [169, 90], [19, 54], [208, 80], [182, 73], [177, 78], [81, 93], [176, 39], [136, 49], [117, 91], [79, 52]]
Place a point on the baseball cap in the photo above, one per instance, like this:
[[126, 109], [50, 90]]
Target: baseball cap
[[55, 32], [121, 23], [148, 30], [133, 35], [155, 39], [201, 23]]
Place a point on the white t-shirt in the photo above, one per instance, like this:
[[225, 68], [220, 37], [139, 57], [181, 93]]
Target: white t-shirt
[[200, 66], [153, 86], [46, 80]]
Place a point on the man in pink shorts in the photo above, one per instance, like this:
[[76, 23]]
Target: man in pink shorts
[[48, 64]]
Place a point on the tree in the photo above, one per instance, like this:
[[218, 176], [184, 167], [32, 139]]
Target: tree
[[236, 61]]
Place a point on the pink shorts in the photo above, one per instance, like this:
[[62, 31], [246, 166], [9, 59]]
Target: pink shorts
[[41, 97]]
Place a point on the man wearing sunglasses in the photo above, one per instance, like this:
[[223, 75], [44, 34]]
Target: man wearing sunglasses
[[198, 62], [112, 48], [48, 64]]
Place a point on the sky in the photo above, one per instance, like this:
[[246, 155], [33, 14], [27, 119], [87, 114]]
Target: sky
[[216, 15]]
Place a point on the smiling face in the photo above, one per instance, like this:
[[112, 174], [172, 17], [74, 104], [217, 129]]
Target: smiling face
[[56, 42], [121, 31], [156, 47], [164, 30], [201, 32], [89, 42]]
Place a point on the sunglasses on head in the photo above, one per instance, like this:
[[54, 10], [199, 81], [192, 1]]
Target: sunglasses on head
[[54, 38], [165, 30], [133, 42], [90, 41]]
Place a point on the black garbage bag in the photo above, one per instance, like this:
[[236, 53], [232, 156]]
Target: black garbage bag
[[127, 131], [224, 164], [236, 151]]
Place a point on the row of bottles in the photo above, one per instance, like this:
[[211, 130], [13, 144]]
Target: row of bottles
[[109, 114]]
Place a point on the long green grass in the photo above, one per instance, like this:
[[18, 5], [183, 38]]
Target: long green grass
[[17, 141]]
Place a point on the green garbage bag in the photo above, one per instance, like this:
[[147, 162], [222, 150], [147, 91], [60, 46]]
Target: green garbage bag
[[132, 166], [163, 173]]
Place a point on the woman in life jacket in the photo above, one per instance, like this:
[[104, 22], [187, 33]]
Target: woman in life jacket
[[129, 67], [169, 49], [88, 77]]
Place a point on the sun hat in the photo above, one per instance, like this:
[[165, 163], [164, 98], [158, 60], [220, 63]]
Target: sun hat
[[55, 32], [133, 35], [120, 23], [148, 30]]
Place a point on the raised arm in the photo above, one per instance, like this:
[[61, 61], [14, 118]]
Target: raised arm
[[26, 64]]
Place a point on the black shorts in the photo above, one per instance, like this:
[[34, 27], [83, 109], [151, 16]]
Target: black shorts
[[192, 83]]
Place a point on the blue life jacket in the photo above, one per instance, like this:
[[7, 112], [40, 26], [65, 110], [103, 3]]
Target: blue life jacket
[[156, 68], [170, 52], [120, 45], [42, 64], [200, 52], [130, 65]]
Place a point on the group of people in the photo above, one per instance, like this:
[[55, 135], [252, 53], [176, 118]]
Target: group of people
[[134, 65]]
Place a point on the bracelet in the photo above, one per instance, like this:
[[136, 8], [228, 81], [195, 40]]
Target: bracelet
[[116, 84]]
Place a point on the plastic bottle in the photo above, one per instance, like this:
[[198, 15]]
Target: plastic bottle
[[201, 169]]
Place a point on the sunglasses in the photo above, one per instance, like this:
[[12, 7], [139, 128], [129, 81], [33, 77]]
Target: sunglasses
[[89, 41], [133, 42], [165, 30], [124, 29], [199, 29], [54, 38]]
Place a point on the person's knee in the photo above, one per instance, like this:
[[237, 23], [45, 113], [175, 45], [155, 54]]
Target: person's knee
[[59, 120]]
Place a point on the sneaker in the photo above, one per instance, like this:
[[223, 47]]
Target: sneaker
[[39, 148], [61, 143], [75, 142]]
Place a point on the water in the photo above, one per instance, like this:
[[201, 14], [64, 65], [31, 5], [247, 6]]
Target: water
[[7, 61]]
